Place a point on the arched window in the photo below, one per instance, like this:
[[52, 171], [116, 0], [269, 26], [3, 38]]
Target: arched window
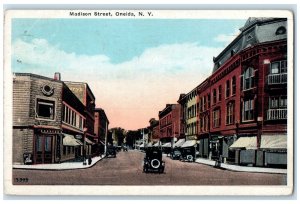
[[248, 78]]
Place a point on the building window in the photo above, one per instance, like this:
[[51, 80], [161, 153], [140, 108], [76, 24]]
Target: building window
[[277, 102], [230, 113], [233, 84], [281, 30], [220, 93], [204, 103], [227, 89], [214, 96], [208, 100], [216, 118], [249, 78], [45, 109], [278, 67], [248, 110]]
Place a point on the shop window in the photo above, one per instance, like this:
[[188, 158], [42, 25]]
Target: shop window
[[248, 78], [248, 110], [230, 113], [45, 109]]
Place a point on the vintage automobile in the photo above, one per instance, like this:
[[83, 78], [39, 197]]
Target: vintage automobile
[[188, 154], [175, 154], [153, 160], [111, 151]]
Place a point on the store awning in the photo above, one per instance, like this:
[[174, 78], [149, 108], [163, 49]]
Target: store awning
[[156, 144], [69, 140], [87, 141], [149, 144], [168, 144], [142, 145], [245, 142], [179, 143], [189, 143], [273, 142]]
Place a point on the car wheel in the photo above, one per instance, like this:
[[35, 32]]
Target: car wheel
[[190, 158], [155, 163]]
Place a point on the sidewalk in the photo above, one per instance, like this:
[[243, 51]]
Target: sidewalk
[[61, 166], [242, 168]]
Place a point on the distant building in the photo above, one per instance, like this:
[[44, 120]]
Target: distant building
[[169, 124], [86, 96], [101, 127], [153, 130]]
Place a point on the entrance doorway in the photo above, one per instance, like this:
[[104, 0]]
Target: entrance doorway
[[43, 149]]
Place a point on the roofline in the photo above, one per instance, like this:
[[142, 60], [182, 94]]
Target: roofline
[[36, 75], [85, 83], [242, 32]]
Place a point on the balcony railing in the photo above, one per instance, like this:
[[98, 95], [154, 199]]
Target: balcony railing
[[277, 78], [277, 114]]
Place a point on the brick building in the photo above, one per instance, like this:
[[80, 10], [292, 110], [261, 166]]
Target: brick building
[[153, 130], [101, 128], [243, 104], [86, 96], [46, 118], [169, 124]]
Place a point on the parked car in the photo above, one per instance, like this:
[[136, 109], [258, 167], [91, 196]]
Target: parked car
[[188, 154], [153, 160], [175, 154], [111, 151]]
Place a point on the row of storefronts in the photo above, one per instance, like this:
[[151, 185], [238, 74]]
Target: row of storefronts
[[53, 121], [238, 114]]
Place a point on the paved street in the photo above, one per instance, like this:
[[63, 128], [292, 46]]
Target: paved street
[[126, 169]]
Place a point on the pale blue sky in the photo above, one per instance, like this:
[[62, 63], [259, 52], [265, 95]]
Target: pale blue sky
[[133, 66], [121, 40]]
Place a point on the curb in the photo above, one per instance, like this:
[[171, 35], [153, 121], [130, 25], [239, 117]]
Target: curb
[[242, 168], [48, 169]]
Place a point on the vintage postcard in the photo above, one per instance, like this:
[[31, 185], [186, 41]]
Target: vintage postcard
[[148, 102]]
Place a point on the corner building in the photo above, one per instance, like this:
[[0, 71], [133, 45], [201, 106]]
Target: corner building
[[247, 107], [47, 117]]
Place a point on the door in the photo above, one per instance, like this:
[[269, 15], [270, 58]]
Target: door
[[43, 149]]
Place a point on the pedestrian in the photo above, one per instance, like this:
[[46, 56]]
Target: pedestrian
[[90, 160]]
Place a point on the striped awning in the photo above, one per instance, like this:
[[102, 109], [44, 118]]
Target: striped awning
[[245, 143], [69, 140], [179, 143], [273, 142], [189, 143]]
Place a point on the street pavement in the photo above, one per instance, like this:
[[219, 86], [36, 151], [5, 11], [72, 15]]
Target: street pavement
[[126, 169]]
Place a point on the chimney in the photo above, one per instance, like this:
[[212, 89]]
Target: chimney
[[57, 76]]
